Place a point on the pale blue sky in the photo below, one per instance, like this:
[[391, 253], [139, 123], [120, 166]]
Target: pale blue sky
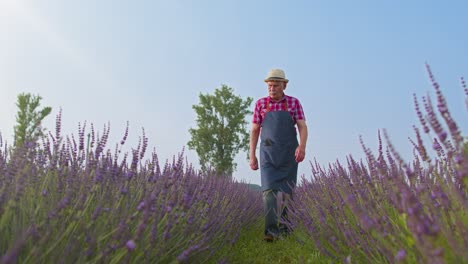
[[354, 65]]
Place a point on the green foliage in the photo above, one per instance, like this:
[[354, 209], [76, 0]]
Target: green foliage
[[221, 131], [29, 118]]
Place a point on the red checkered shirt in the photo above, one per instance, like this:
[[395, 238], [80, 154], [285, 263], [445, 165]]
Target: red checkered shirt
[[294, 108]]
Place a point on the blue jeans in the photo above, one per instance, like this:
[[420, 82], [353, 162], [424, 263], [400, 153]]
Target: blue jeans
[[271, 206]]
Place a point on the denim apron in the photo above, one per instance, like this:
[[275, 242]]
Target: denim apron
[[278, 166]]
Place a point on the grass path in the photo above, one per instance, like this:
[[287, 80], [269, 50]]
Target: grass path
[[250, 248]]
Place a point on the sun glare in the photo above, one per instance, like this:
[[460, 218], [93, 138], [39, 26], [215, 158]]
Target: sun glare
[[17, 13], [9, 9]]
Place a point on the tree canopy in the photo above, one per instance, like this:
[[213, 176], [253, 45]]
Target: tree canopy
[[28, 119], [221, 130]]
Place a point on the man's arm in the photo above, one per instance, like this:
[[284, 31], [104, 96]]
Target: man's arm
[[300, 150], [254, 134]]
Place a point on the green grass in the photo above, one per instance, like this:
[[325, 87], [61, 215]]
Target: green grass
[[250, 248]]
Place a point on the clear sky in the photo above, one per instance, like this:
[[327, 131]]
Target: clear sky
[[354, 65]]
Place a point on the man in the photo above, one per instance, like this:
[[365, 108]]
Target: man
[[275, 119]]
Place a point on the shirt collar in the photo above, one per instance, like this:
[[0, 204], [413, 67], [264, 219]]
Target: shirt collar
[[280, 100]]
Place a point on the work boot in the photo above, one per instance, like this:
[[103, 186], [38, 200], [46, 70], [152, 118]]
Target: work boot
[[268, 238]]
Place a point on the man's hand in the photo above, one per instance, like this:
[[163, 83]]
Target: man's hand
[[253, 162], [300, 153]]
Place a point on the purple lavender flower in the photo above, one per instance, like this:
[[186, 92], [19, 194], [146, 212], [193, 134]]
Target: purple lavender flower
[[184, 256], [144, 146], [401, 255], [459, 159], [422, 120], [81, 135], [367, 222], [436, 146], [465, 88], [186, 253], [125, 135], [190, 219], [437, 252], [58, 124], [130, 245]]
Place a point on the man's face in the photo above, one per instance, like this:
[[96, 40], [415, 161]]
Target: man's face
[[276, 89]]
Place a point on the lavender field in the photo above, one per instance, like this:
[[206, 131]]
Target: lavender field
[[387, 210], [71, 201], [75, 199]]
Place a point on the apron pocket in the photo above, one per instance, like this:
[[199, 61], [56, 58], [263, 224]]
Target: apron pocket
[[277, 156]]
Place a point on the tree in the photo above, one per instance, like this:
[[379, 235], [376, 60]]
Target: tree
[[29, 117], [221, 131]]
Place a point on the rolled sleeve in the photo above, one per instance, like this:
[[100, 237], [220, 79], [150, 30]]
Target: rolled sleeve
[[257, 114], [298, 111]]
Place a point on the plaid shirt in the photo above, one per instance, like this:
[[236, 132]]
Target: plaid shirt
[[294, 108]]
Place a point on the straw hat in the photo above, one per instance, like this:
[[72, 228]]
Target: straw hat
[[276, 75]]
